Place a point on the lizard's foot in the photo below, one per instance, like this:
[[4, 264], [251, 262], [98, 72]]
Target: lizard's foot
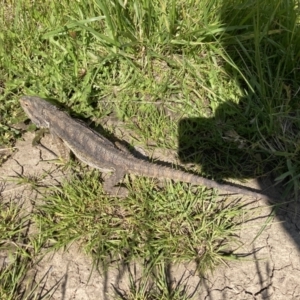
[[118, 191]]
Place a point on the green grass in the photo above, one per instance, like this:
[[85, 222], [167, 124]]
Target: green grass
[[155, 227], [216, 80], [19, 252], [169, 224], [154, 284]]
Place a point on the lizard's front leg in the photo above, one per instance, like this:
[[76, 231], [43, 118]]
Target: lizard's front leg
[[38, 136], [64, 151]]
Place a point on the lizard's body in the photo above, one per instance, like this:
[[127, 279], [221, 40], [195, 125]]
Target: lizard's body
[[98, 152]]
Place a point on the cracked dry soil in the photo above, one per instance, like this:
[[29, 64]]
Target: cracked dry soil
[[270, 270]]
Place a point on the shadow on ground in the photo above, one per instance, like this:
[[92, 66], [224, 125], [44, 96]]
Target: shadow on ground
[[251, 139]]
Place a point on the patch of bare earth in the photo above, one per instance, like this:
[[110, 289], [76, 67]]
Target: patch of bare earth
[[270, 266]]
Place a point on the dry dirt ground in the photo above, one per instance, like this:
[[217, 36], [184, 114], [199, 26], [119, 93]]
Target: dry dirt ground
[[270, 270]]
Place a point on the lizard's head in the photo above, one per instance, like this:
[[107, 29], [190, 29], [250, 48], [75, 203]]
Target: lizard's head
[[36, 108]]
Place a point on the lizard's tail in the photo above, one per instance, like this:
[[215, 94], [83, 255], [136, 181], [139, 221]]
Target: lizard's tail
[[157, 171]]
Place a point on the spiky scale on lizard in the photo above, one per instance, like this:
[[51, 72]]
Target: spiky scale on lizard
[[98, 152]]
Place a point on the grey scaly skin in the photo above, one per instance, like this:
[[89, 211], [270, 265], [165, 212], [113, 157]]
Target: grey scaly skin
[[98, 152]]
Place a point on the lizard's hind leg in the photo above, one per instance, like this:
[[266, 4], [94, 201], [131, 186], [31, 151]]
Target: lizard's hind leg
[[111, 181]]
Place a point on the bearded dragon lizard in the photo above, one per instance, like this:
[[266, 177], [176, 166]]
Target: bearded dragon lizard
[[98, 152]]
